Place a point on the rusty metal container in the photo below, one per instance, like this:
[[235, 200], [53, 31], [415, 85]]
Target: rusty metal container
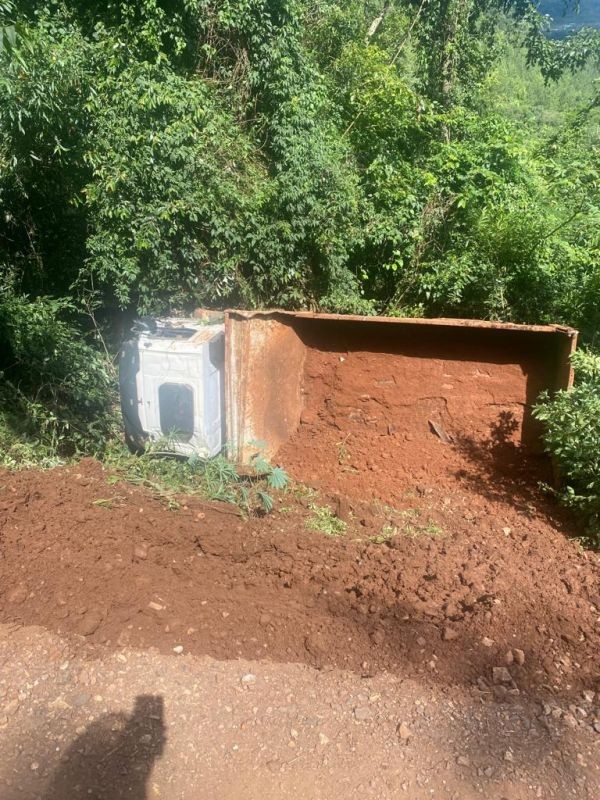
[[449, 373]]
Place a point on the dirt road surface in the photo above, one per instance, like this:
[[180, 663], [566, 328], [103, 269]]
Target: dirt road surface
[[447, 647], [140, 725]]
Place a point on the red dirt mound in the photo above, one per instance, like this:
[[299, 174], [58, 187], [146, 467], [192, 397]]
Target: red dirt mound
[[458, 584], [376, 424]]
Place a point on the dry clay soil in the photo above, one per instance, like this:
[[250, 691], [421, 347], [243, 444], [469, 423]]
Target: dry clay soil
[[445, 647]]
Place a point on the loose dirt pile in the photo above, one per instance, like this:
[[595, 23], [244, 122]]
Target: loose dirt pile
[[459, 587], [377, 424]]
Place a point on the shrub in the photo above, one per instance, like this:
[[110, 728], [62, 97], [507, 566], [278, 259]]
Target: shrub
[[57, 391], [572, 435]]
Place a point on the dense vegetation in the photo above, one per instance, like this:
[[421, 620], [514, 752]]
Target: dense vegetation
[[572, 434], [407, 157]]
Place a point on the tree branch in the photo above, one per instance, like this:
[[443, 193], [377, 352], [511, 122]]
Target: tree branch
[[374, 26]]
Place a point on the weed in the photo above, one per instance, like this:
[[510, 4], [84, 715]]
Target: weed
[[387, 532], [392, 512], [407, 524], [276, 477], [429, 529], [214, 479], [432, 529], [409, 514], [343, 449], [22, 449], [219, 476], [325, 521], [266, 500], [108, 502], [286, 509], [304, 492]]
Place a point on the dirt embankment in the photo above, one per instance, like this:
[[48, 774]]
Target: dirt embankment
[[459, 586]]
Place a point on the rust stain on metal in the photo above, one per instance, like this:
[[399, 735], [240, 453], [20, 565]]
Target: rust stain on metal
[[444, 322], [265, 363]]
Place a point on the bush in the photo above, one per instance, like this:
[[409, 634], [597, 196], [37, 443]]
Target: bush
[[57, 392], [572, 435]]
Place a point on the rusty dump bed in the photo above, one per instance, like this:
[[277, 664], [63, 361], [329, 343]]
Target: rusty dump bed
[[300, 382]]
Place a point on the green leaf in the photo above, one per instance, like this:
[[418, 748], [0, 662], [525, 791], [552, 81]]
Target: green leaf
[[278, 478]]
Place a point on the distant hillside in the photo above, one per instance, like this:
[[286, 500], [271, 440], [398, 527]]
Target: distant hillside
[[563, 24]]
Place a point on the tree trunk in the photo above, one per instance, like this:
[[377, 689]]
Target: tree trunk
[[374, 26]]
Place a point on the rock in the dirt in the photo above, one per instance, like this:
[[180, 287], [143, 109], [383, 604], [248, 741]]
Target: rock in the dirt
[[404, 732], [439, 431], [315, 645], [519, 656], [248, 679], [309, 417], [509, 657], [453, 611], [178, 649], [90, 623], [140, 552], [378, 636], [463, 761], [487, 642], [588, 695], [324, 740], [449, 634], [501, 675], [265, 619]]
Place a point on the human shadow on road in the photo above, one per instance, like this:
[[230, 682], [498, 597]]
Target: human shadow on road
[[114, 757]]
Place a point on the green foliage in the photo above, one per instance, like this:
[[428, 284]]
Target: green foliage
[[8, 30], [57, 390], [170, 200], [521, 93], [168, 478], [268, 152], [323, 520], [406, 522], [276, 477], [43, 84], [572, 435]]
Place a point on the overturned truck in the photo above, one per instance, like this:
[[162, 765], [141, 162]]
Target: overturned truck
[[355, 396]]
